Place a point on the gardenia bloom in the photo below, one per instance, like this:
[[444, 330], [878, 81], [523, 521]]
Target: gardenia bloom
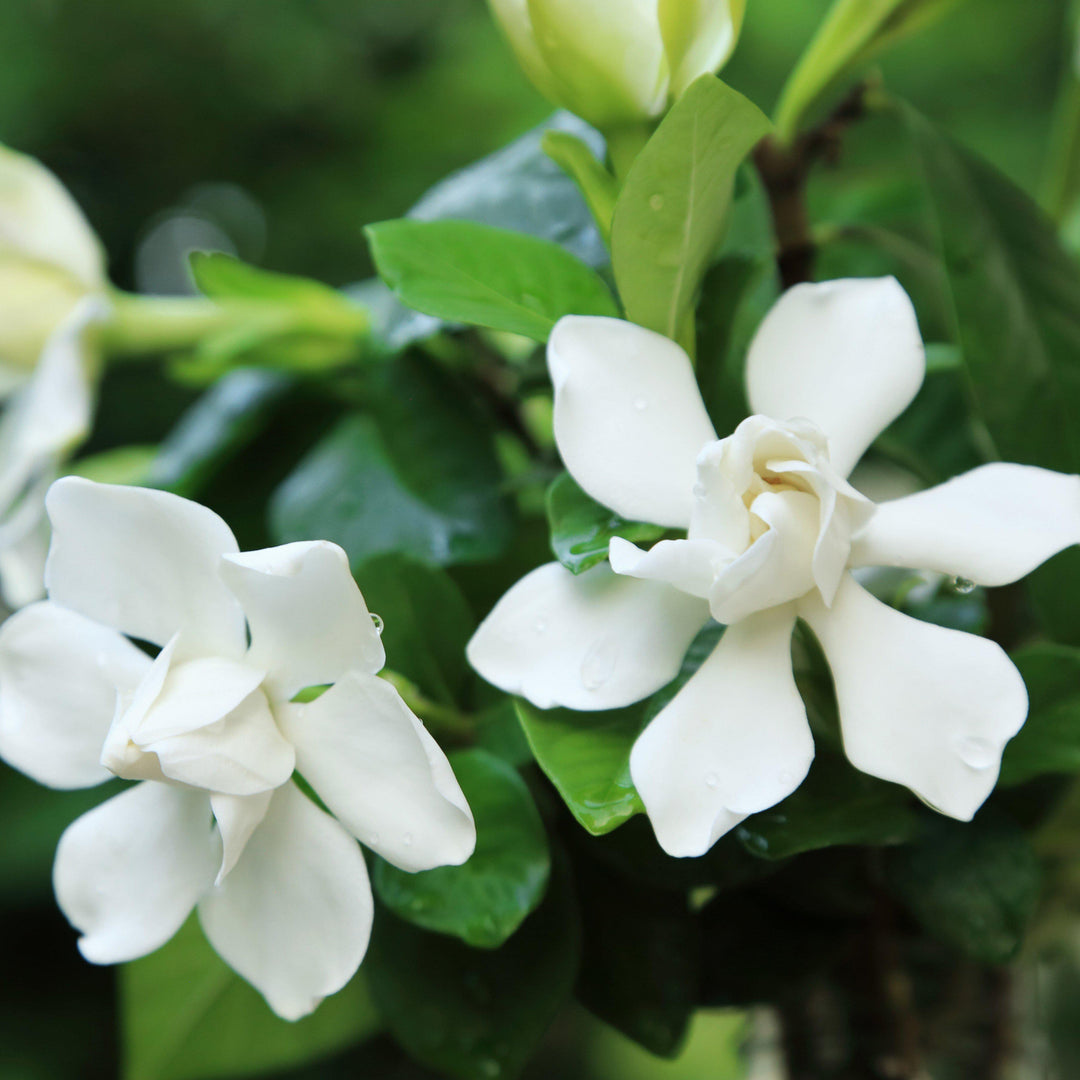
[[619, 62], [772, 532], [210, 731]]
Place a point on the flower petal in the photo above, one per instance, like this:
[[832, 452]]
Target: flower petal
[[992, 525], [237, 817], [59, 677], [845, 354], [691, 566], [145, 563], [590, 642], [733, 741], [920, 705], [374, 765], [309, 623], [629, 420], [293, 917], [129, 872], [699, 35]]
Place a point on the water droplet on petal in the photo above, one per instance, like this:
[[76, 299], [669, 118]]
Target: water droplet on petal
[[378, 621], [963, 586], [656, 202], [640, 404], [599, 664], [407, 839], [786, 777], [712, 780], [540, 625], [699, 490], [977, 753]]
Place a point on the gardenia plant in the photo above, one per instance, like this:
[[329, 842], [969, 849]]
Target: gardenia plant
[[773, 530], [212, 733]]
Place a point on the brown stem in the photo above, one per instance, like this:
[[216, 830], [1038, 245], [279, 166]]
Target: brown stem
[[785, 172]]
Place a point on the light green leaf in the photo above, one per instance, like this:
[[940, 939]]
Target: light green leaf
[[852, 34], [468, 273], [187, 1016], [575, 157], [581, 529], [671, 214], [486, 899]]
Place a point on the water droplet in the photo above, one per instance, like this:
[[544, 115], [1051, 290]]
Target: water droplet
[[378, 621], [977, 753], [540, 625], [599, 664], [373, 839], [699, 490], [712, 780], [786, 777], [963, 586], [490, 1067], [657, 202], [407, 839], [640, 404]]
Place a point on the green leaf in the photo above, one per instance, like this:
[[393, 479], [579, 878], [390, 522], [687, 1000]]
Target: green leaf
[[836, 804], [426, 623], [223, 277], [418, 476], [1049, 741], [468, 273], [225, 419], [486, 899], [187, 1016], [671, 213], [476, 1014], [640, 963], [575, 157], [852, 34], [587, 757], [974, 886], [581, 529]]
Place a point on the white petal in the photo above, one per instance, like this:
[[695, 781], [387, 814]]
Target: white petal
[[40, 221], [734, 740], [992, 525], [629, 420], [129, 872], [24, 546], [379, 771], [237, 817], [59, 676], [699, 35], [52, 412], [309, 624], [845, 354], [920, 705], [293, 917], [691, 566], [594, 641], [145, 563]]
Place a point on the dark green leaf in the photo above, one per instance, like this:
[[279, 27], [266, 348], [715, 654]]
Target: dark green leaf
[[476, 1014], [673, 207], [836, 804], [188, 1016], [973, 886], [418, 477], [1049, 741], [467, 273], [485, 900], [581, 529]]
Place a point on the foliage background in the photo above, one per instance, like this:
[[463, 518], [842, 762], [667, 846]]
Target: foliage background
[[279, 130]]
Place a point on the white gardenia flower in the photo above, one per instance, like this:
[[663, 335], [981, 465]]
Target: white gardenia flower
[[773, 530], [210, 730], [619, 62]]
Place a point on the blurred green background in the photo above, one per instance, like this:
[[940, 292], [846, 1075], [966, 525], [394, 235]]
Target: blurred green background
[[278, 129]]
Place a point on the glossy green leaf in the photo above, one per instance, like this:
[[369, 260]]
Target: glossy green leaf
[[640, 964], [581, 529], [463, 272], [426, 623], [673, 208], [476, 1014], [188, 1016], [587, 757], [836, 804], [972, 885], [575, 157], [417, 476], [487, 898], [1049, 741], [224, 420], [852, 34]]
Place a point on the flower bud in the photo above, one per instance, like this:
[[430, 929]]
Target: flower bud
[[619, 62], [49, 260]]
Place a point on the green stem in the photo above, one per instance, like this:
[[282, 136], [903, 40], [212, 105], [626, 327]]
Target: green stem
[[441, 719], [624, 144]]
